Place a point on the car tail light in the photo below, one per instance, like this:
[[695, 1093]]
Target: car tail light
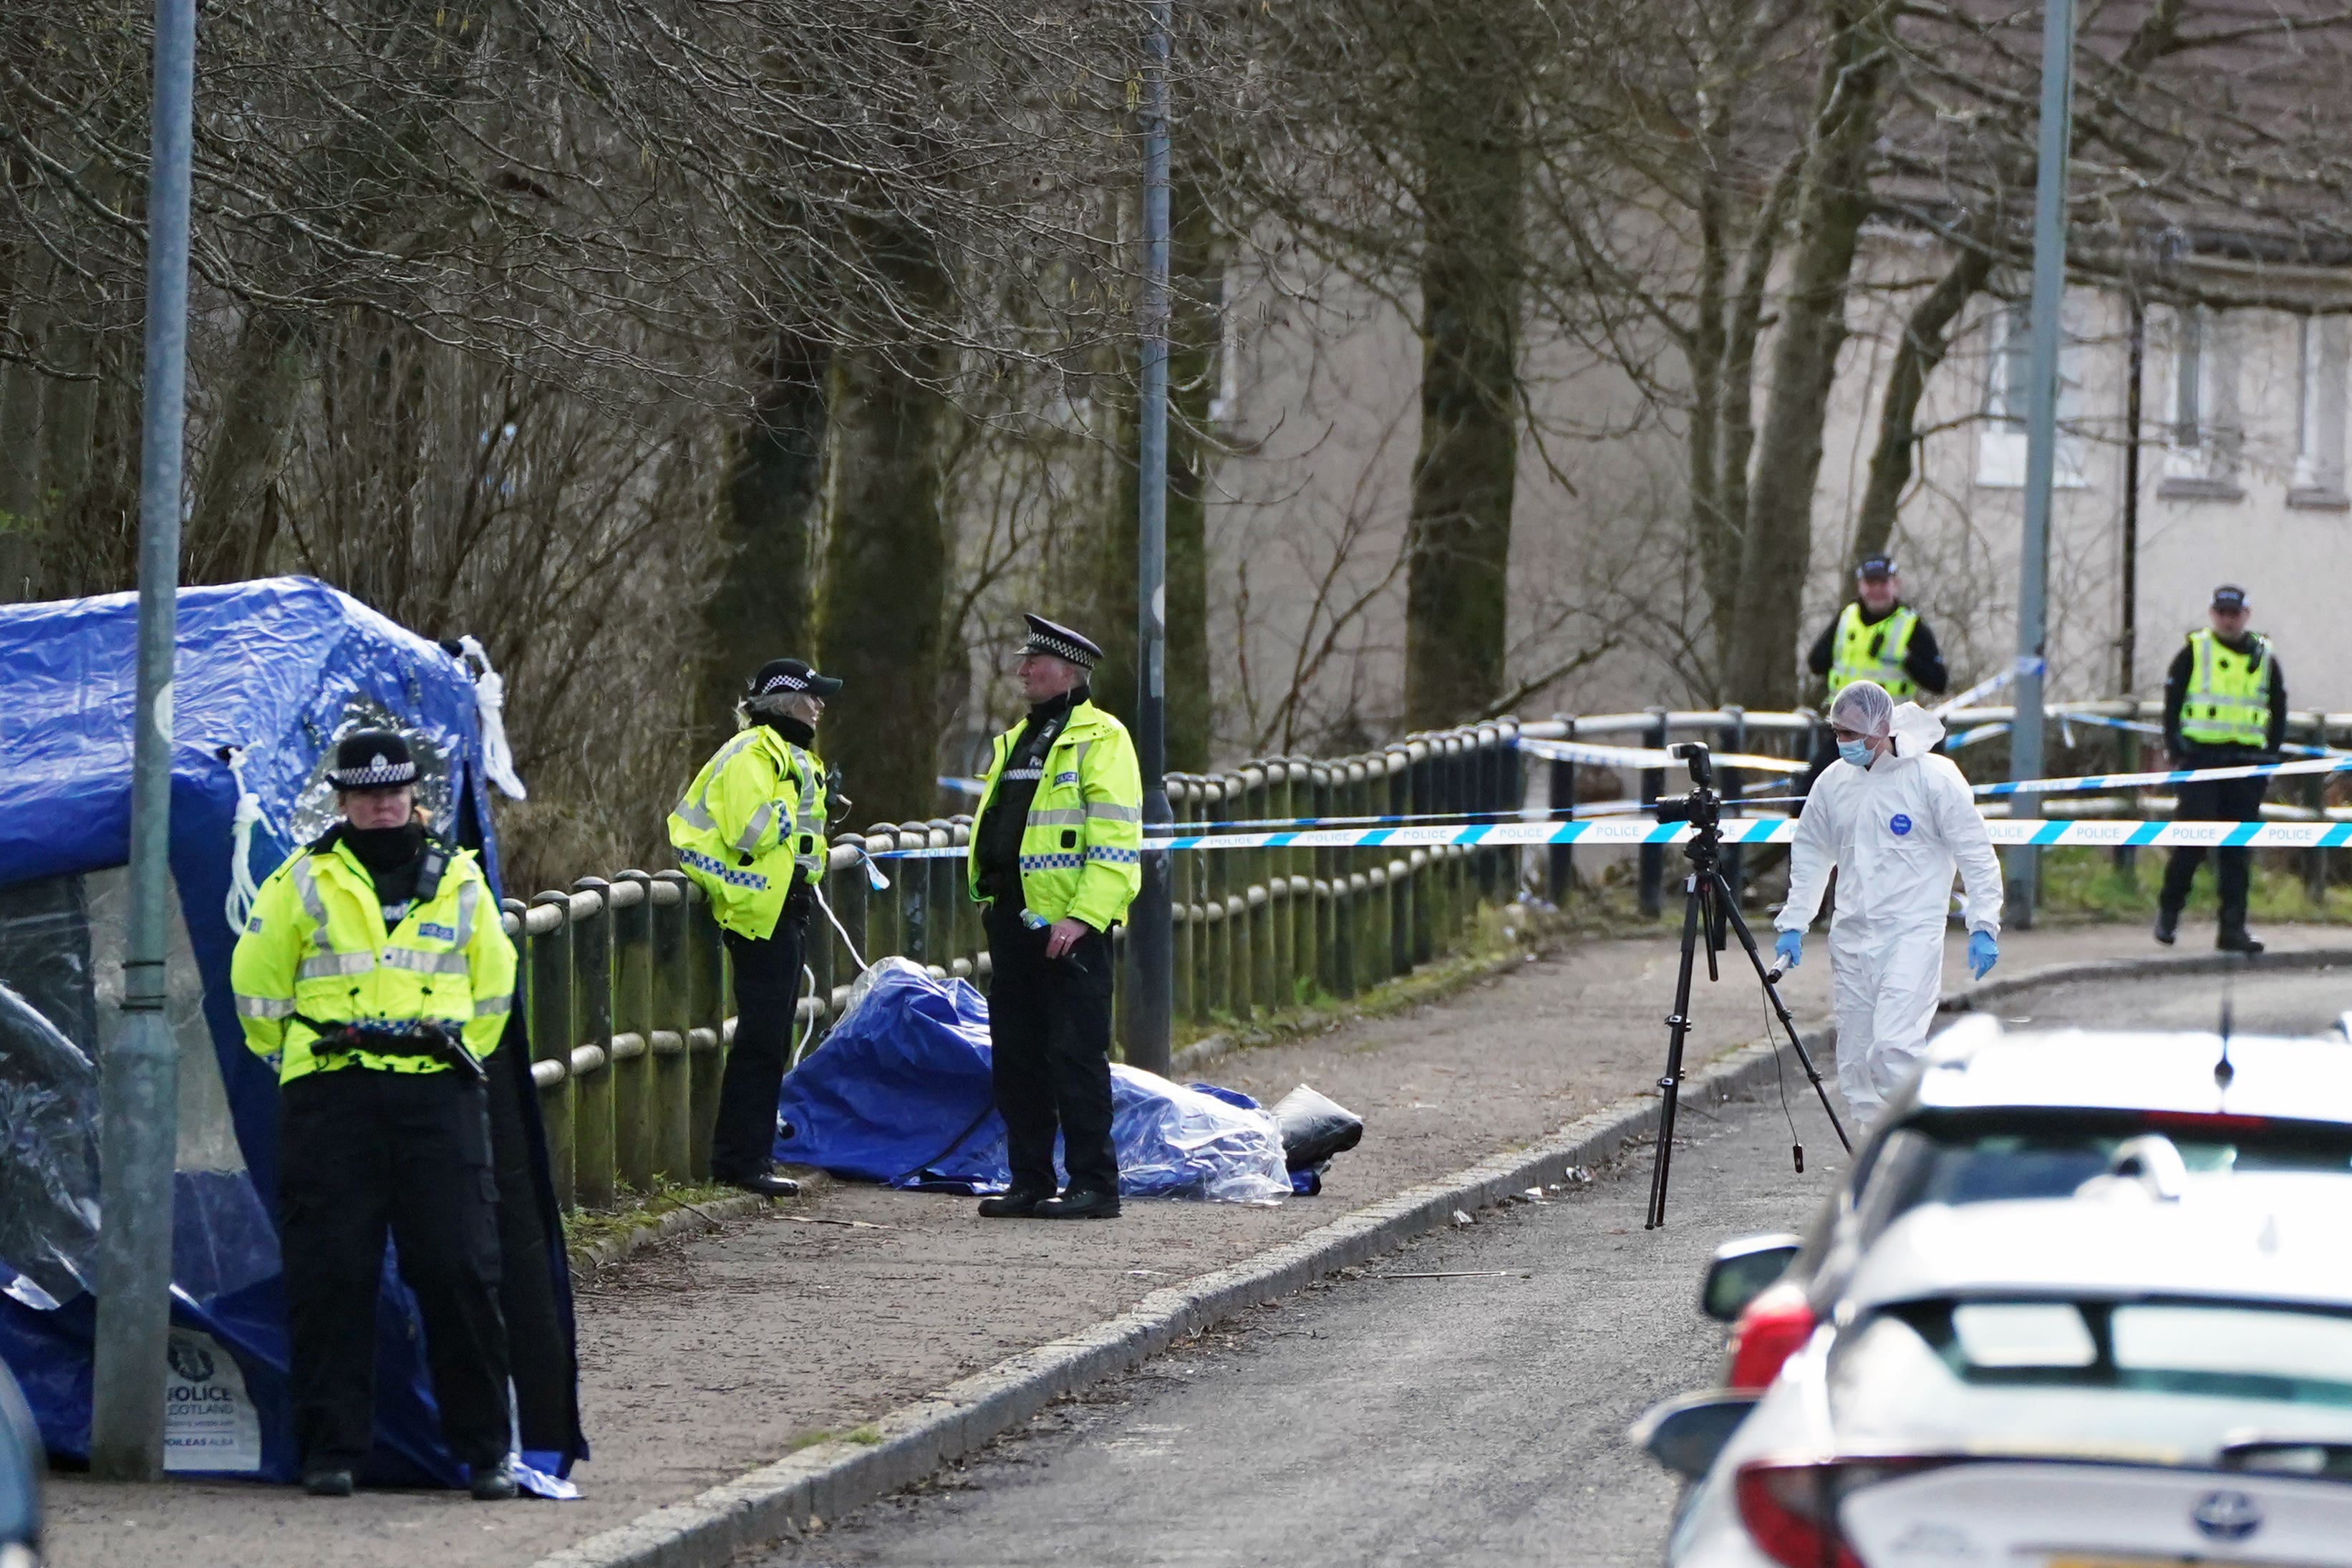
[[1791, 1509], [1770, 1330]]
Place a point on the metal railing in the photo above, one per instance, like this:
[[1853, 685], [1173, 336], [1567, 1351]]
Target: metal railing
[[625, 983]]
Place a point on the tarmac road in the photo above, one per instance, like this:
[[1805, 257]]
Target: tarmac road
[[1464, 1421]]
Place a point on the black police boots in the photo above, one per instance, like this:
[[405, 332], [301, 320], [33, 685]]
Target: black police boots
[[2236, 938], [2168, 926], [1018, 1202], [327, 1483], [496, 1483], [765, 1184], [1080, 1204]]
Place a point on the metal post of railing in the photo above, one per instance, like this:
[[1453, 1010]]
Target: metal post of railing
[[1653, 856], [1561, 798], [1363, 936], [969, 937], [547, 928], [1282, 949], [672, 1020], [1461, 881], [1260, 796], [706, 1009], [1494, 883], [2126, 856], [1298, 868], [1398, 797], [1733, 738], [940, 904], [591, 1055], [1184, 993], [632, 1003], [886, 932], [1238, 924], [2314, 861], [1325, 879]]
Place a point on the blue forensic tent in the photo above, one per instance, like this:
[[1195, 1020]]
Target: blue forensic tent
[[270, 675], [898, 1093]]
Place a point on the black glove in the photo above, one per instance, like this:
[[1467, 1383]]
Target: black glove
[[836, 802]]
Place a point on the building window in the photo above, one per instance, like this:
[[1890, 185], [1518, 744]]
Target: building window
[[2200, 400], [2319, 413], [2008, 366]]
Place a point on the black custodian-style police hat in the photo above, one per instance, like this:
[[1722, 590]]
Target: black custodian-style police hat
[[791, 675], [2229, 596], [371, 759], [1059, 641]]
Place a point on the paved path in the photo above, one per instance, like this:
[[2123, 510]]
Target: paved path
[[1466, 1422], [705, 1359]]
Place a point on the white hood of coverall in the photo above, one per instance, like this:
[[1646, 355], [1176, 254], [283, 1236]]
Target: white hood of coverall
[[1897, 831]]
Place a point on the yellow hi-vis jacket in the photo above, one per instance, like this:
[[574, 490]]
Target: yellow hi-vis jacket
[[752, 817], [1082, 846], [1865, 652], [315, 944], [2228, 698]]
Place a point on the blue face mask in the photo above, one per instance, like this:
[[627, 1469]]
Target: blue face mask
[[1855, 752]]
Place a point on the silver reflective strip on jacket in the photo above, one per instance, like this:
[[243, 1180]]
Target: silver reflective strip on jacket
[[490, 1006], [265, 1007], [333, 963], [1060, 817], [1103, 811], [694, 807], [748, 839], [469, 894], [306, 883], [408, 958]]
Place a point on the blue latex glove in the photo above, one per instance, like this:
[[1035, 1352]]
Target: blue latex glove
[[1789, 951], [1983, 953]]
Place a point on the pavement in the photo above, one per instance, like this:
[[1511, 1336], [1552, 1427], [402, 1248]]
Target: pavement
[[1387, 1416], [705, 1358]]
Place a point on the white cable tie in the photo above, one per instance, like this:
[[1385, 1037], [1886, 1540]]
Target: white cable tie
[[489, 705]]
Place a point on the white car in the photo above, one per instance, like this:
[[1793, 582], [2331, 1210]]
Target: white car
[[1995, 1115], [2154, 1372]]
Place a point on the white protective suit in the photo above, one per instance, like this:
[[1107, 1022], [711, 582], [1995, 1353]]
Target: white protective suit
[[1895, 832]]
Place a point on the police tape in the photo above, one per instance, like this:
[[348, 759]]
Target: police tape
[[2335, 762], [2005, 832], [1649, 757]]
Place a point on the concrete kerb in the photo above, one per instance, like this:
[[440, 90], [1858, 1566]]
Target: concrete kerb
[[828, 1479]]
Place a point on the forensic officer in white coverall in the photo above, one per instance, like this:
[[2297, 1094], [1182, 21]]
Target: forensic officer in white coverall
[[1895, 822]]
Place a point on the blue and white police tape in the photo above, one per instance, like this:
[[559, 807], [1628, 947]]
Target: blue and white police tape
[[2141, 727], [1649, 757], [2335, 762], [1744, 831]]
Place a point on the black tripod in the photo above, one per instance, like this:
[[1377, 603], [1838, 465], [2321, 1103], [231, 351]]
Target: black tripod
[[1710, 902]]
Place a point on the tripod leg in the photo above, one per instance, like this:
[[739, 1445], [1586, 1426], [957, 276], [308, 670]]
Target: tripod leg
[[1677, 1027], [1731, 911]]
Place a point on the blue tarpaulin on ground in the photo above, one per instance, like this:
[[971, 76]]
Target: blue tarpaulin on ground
[[273, 672], [898, 1093]]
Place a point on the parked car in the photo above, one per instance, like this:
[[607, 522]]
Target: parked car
[[21, 1465], [1995, 1115], [2156, 1371]]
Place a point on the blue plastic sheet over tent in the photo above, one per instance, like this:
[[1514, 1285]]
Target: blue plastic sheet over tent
[[898, 1093], [277, 669]]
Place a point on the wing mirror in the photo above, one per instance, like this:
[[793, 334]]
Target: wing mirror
[[1741, 1269], [1685, 1434]]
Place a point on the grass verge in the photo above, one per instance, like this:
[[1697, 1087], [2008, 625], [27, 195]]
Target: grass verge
[[586, 1228]]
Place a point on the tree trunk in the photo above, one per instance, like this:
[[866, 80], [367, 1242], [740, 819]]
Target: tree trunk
[[1195, 332], [275, 356], [763, 605], [1456, 599], [1766, 627], [1926, 340], [887, 556]]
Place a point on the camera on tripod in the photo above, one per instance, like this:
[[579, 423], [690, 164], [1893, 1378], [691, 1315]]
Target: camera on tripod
[[1702, 807]]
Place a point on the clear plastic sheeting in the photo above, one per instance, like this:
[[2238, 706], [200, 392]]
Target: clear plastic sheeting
[[49, 1175], [900, 1094]]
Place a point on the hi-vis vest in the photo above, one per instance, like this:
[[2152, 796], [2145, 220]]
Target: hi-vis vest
[[1875, 653], [315, 944], [2228, 702], [754, 815], [1082, 846]]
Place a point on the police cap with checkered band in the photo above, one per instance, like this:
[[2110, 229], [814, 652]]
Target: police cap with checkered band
[[1059, 641], [784, 675], [371, 759]]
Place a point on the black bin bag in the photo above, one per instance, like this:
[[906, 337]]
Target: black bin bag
[[1315, 1128]]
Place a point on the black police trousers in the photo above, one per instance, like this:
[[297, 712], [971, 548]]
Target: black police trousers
[[1049, 1038], [767, 994], [2214, 800], [363, 1152]]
